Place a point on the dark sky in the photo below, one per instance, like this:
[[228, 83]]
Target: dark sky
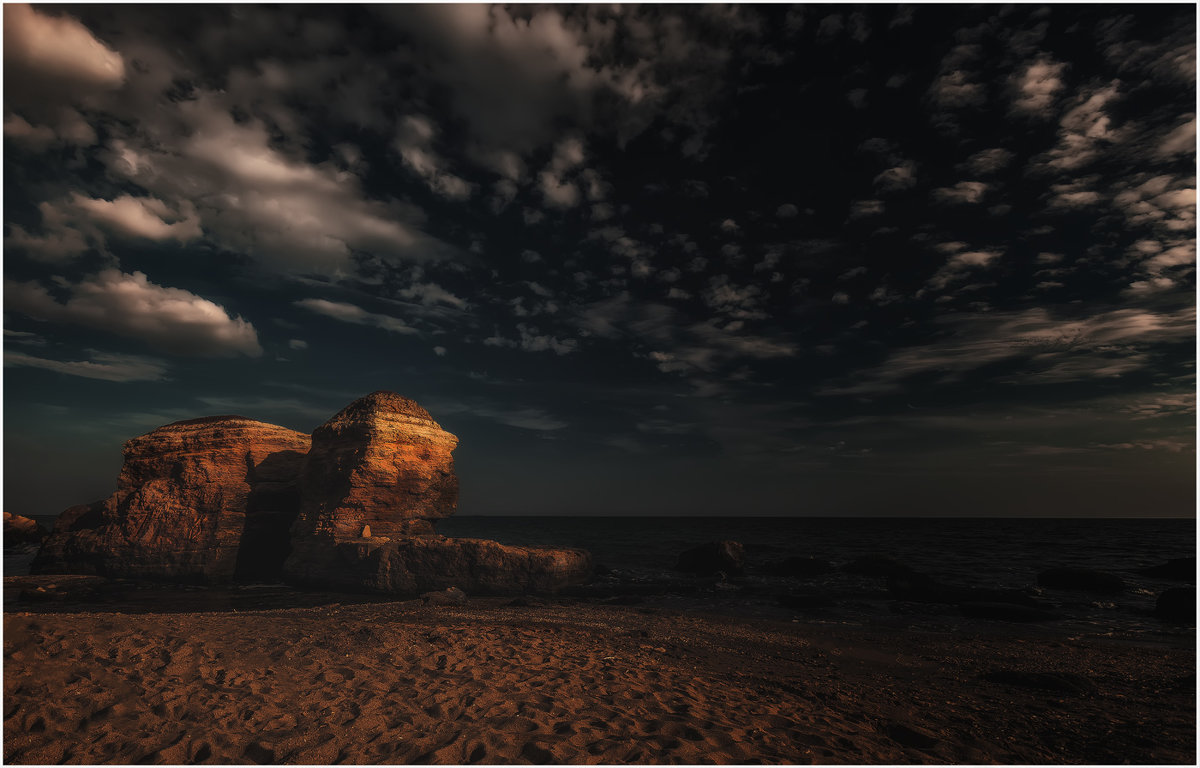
[[891, 260]]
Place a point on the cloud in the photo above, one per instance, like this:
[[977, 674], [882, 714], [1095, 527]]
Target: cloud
[[102, 366], [861, 209], [1047, 349], [415, 145], [255, 197], [352, 313], [297, 344], [145, 217], [169, 319], [559, 193], [57, 49], [962, 193], [959, 264], [431, 294], [533, 340], [988, 161], [1084, 130], [1037, 87], [896, 179], [1180, 141], [787, 211]]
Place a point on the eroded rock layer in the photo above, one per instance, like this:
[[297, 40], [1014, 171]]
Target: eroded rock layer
[[202, 500], [410, 566]]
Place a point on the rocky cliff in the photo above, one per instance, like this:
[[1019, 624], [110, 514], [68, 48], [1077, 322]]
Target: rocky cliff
[[200, 500], [382, 462], [224, 497]]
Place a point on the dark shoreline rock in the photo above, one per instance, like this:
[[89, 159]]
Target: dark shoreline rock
[[1177, 606], [19, 530], [1178, 569], [1081, 579], [728, 557], [799, 567]]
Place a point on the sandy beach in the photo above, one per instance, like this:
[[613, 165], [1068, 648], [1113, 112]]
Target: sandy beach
[[571, 682]]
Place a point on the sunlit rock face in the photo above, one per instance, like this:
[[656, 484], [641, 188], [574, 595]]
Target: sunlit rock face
[[225, 498], [204, 500], [416, 564], [383, 463]]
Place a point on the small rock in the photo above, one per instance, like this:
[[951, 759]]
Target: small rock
[[366, 532], [1179, 569], [1081, 579], [712, 558], [1177, 606], [1007, 612], [799, 567], [447, 596], [879, 566]]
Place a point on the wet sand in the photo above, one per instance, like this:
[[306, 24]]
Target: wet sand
[[571, 682]]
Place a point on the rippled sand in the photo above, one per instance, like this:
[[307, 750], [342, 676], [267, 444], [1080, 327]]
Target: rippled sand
[[571, 683]]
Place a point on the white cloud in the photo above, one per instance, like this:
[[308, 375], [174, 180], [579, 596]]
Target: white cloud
[[439, 351], [787, 211], [415, 145], [256, 197], [896, 179], [169, 319], [58, 48], [1180, 141], [431, 294], [351, 313], [102, 366], [988, 161], [1038, 86], [141, 217], [962, 193], [297, 344], [1052, 349]]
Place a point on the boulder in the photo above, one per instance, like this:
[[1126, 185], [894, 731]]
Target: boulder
[[799, 567], [1080, 579], [728, 557], [1179, 569], [415, 565], [202, 500], [878, 566], [382, 465], [21, 530], [1007, 612], [1177, 606], [447, 596]]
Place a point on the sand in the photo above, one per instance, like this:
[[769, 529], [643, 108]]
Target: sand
[[572, 682]]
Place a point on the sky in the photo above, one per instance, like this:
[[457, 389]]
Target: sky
[[640, 259]]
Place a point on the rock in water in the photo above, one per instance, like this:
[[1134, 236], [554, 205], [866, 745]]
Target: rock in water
[[383, 463], [418, 564], [1179, 569], [1081, 579], [1177, 606], [200, 500], [21, 530], [728, 557]]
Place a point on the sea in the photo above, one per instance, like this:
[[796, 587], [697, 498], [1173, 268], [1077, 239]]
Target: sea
[[636, 558]]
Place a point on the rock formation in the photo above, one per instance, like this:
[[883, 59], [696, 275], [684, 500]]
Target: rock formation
[[200, 500], [378, 475], [222, 498], [20, 530], [381, 466]]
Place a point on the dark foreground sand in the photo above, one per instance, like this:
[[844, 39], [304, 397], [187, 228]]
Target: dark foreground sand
[[572, 683]]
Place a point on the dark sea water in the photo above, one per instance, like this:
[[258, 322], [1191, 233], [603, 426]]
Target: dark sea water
[[997, 553], [637, 555]]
